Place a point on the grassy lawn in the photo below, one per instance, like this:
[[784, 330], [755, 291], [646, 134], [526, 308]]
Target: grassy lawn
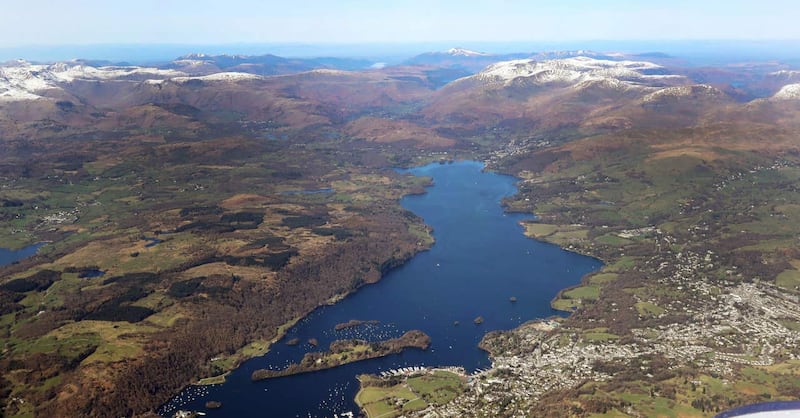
[[537, 230], [583, 292], [389, 401], [613, 240], [599, 335], [623, 264], [557, 234], [789, 279], [422, 233], [437, 389], [383, 409], [649, 309], [414, 394], [573, 298], [566, 305], [114, 340], [603, 278]]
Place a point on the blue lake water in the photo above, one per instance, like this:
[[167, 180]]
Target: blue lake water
[[9, 256], [481, 258]]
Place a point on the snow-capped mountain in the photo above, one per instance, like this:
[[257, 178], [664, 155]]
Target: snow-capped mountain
[[785, 74], [21, 80], [580, 91], [576, 70], [461, 52], [25, 81]]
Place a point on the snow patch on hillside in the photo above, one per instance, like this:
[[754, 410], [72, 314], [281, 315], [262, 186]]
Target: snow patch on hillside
[[788, 92], [683, 91], [19, 83], [605, 84], [227, 76], [328, 71], [15, 94]]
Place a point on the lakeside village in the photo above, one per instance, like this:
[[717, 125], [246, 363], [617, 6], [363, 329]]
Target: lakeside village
[[733, 324], [533, 360]]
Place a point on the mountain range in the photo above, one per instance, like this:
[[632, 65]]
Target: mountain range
[[681, 179]]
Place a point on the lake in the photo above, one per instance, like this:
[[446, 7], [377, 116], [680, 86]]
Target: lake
[[481, 259], [9, 256]]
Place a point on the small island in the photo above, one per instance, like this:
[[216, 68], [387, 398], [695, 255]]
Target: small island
[[348, 351], [354, 323]]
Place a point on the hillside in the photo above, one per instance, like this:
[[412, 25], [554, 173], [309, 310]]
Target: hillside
[[221, 202]]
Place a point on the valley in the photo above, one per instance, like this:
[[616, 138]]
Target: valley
[[271, 192]]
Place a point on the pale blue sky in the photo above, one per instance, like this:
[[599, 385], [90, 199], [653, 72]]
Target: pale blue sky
[[53, 22]]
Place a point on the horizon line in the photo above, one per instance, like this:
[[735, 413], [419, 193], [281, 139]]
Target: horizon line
[[394, 42]]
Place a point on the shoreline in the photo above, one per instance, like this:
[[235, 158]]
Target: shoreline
[[344, 352], [544, 324], [220, 379], [283, 329]]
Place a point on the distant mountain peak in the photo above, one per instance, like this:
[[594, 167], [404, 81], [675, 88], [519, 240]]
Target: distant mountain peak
[[785, 73], [200, 56], [573, 70], [461, 52]]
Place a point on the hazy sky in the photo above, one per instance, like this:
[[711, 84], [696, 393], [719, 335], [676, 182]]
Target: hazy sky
[[51, 22]]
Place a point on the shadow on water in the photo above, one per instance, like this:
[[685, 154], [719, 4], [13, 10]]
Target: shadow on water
[[480, 260]]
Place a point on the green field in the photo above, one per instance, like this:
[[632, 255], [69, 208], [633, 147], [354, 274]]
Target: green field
[[573, 298], [789, 279], [649, 309], [599, 335], [436, 387]]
